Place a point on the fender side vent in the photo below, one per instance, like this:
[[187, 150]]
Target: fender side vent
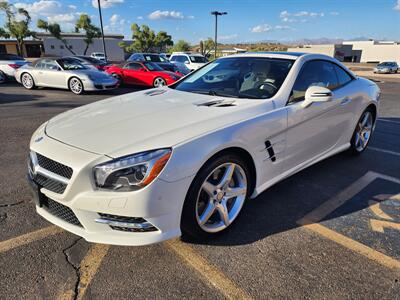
[[270, 150]]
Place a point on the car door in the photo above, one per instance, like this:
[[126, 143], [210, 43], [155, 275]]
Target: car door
[[316, 129], [131, 73], [50, 74]]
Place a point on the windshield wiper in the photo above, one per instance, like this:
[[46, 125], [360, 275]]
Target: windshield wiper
[[214, 93]]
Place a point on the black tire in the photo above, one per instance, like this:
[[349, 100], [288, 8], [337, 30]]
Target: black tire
[[29, 77], [75, 89], [3, 77], [189, 224], [354, 150]]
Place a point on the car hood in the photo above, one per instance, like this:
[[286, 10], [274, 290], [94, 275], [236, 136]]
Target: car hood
[[93, 72], [147, 120]]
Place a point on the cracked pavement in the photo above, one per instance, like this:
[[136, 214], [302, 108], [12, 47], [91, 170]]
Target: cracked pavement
[[266, 253]]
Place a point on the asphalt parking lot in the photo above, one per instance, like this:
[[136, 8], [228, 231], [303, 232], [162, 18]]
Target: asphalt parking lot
[[330, 231]]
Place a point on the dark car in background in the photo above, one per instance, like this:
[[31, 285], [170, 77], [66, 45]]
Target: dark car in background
[[158, 59], [91, 62]]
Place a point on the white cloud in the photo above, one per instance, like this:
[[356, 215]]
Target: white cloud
[[397, 6], [106, 3], [228, 37], [140, 18], [166, 14], [261, 28], [300, 16], [62, 18], [190, 17], [282, 27], [40, 7], [334, 13], [72, 6], [114, 19]]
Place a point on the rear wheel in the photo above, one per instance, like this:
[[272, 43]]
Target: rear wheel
[[27, 81], [362, 133], [75, 85], [159, 82], [3, 77], [216, 197]]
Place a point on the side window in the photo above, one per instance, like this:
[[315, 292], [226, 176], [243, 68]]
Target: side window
[[39, 64], [50, 65], [133, 66], [313, 73], [343, 76]]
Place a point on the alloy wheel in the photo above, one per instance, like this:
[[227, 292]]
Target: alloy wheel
[[158, 82], [75, 86], [27, 81], [363, 131], [221, 197]]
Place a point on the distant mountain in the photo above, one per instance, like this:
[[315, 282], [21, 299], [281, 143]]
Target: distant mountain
[[322, 40]]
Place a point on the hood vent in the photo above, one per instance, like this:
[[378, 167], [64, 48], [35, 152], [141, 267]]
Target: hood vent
[[218, 103], [155, 92]]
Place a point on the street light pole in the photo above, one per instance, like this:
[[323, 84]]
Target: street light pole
[[216, 14], [102, 31]]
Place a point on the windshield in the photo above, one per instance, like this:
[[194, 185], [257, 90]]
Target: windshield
[[385, 64], [153, 58], [152, 66], [239, 77], [70, 64], [198, 59]]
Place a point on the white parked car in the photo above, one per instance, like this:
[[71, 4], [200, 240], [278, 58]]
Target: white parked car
[[64, 73], [148, 166], [192, 60], [98, 55], [9, 63]]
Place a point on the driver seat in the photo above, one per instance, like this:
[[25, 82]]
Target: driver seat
[[256, 77]]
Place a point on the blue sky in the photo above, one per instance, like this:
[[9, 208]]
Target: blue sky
[[247, 20]]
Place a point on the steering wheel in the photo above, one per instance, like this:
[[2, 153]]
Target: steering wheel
[[270, 84]]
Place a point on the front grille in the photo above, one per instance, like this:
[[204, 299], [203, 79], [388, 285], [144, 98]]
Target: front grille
[[53, 166], [61, 211], [50, 184]]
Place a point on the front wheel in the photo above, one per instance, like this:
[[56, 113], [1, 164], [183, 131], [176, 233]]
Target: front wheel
[[27, 81], [118, 78], [75, 86], [362, 133], [215, 197], [159, 82]]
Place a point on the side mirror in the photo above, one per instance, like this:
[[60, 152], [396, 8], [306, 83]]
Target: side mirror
[[316, 94], [187, 62], [143, 70]]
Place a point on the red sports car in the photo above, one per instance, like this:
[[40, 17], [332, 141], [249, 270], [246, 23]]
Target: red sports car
[[142, 73]]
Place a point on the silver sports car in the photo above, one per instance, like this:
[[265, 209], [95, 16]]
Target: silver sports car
[[64, 73]]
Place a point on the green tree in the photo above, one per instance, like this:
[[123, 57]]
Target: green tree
[[206, 46], [145, 40], [4, 33], [181, 46], [55, 30], [17, 24], [91, 32]]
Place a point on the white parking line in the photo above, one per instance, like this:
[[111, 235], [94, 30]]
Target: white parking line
[[384, 151]]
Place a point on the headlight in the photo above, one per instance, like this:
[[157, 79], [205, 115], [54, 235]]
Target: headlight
[[131, 172]]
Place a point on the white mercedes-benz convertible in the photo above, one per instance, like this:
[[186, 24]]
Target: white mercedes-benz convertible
[[148, 166]]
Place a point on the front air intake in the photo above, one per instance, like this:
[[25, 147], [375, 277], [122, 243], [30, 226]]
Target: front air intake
[[123, 223]]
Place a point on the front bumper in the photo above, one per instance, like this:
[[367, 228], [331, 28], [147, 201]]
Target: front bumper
[[100, 85], [159, 204]]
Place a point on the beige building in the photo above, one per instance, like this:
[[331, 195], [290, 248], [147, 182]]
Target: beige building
[[375, 51], [356, 51], [340, 52]]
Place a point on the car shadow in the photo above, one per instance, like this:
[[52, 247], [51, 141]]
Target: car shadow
[[16, 98], [279, 208]]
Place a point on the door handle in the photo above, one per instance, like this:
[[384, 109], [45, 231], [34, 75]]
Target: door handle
[[345, 100]]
